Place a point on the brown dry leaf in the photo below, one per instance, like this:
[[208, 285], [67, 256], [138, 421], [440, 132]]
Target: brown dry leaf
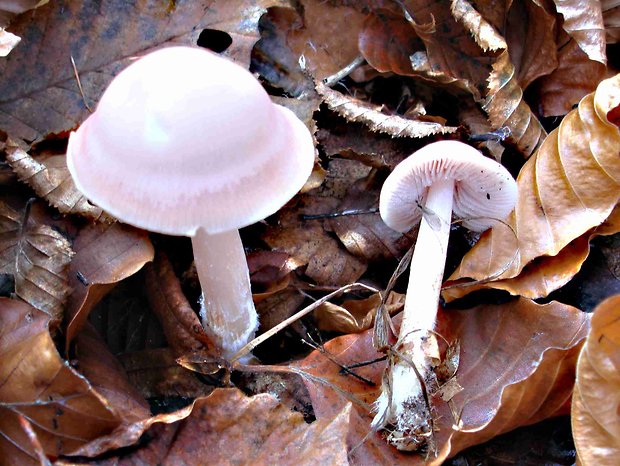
[[575, 76], [102, 38], [481, 30], [355, 316], [517, 367], [583, 21], [183, 330], [49, 177], [106, 375], [596, 397], [374, 119], [567, 188], [228, 428], [320, 37], [63, 408], [548, 273], [611, 19], [38, 257], [105, 255]]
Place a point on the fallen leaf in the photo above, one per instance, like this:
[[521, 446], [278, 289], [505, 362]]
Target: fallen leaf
[[516, 366], [9, 9], [63, 407], [371, 116], [547, 273], [563, 191], [104, 255], [611, 19], [481, 30], [229, 428], [106, 375], [354, 316], [38, 257], [583, 21], [183, 330], [49, 177], [44, 99], [575, 76], [8, 42], [596, 397]]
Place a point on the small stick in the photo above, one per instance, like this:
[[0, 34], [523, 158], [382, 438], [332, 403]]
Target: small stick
[[498, 135], [77, 77], [343, 73], [307, 310], [343, 213]]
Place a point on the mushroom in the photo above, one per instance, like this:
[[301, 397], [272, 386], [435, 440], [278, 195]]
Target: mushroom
[[438, 180], [185, 142]]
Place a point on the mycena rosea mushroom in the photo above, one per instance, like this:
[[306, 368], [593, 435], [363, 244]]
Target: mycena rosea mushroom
[[437, 181], [185, 142]]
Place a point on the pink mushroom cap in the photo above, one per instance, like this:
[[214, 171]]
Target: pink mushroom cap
[[182, 139]]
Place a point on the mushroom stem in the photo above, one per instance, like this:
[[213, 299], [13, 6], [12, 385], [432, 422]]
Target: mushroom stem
[[227, 310], [405, 408]]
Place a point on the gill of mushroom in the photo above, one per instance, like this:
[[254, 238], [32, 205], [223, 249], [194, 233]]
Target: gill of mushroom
[[185, 142], [439, 180]]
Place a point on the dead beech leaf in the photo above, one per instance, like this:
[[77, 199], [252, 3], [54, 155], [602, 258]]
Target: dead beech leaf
[[183, 330], [64, 409], [547, 273], [583, 21], [8, 42], [44, 99], [611, 19], [516, 368], [482, 31], [355, 110], [50, 179], [564, 190], [575, 76], [104, 255], [8, 9], [229, 428], [596, 397], [355, 316], [38, 257]]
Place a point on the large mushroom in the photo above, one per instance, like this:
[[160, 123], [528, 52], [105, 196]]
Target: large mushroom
[[437, 181], [185, 142]]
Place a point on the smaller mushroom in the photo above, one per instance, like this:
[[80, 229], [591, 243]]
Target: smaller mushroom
[[185, 142], [441, 179]]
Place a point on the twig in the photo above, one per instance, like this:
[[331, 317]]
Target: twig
[[343, 73], [77, 78]]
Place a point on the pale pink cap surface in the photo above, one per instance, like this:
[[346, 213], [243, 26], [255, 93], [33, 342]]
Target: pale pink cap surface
[[484, 190], [183, 139]]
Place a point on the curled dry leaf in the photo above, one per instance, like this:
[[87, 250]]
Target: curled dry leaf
[[227, 428], [583, 21], [481, 30], [596, 397], [547, 273], [611, 19], [181, 325], [50, 179], [563, 191], [45, 99], [516, 367], [63, 408], [355, 316], [105, 255], [371, 116], [38, 257]]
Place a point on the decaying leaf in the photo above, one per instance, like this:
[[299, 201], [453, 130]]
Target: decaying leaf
[[596, 397], [183, 330], [516, 367], [229, 428], [370, 115], [38, 257], [44, 99], [611, 20], [8, 42], [355, 316], [547, 273], [50, 179], [64, 409], [583, 21], [567, 188], [105, 255], [481, 30]]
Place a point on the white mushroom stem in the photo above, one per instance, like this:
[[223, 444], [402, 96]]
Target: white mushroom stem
[[407, 412], [227, 311]]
